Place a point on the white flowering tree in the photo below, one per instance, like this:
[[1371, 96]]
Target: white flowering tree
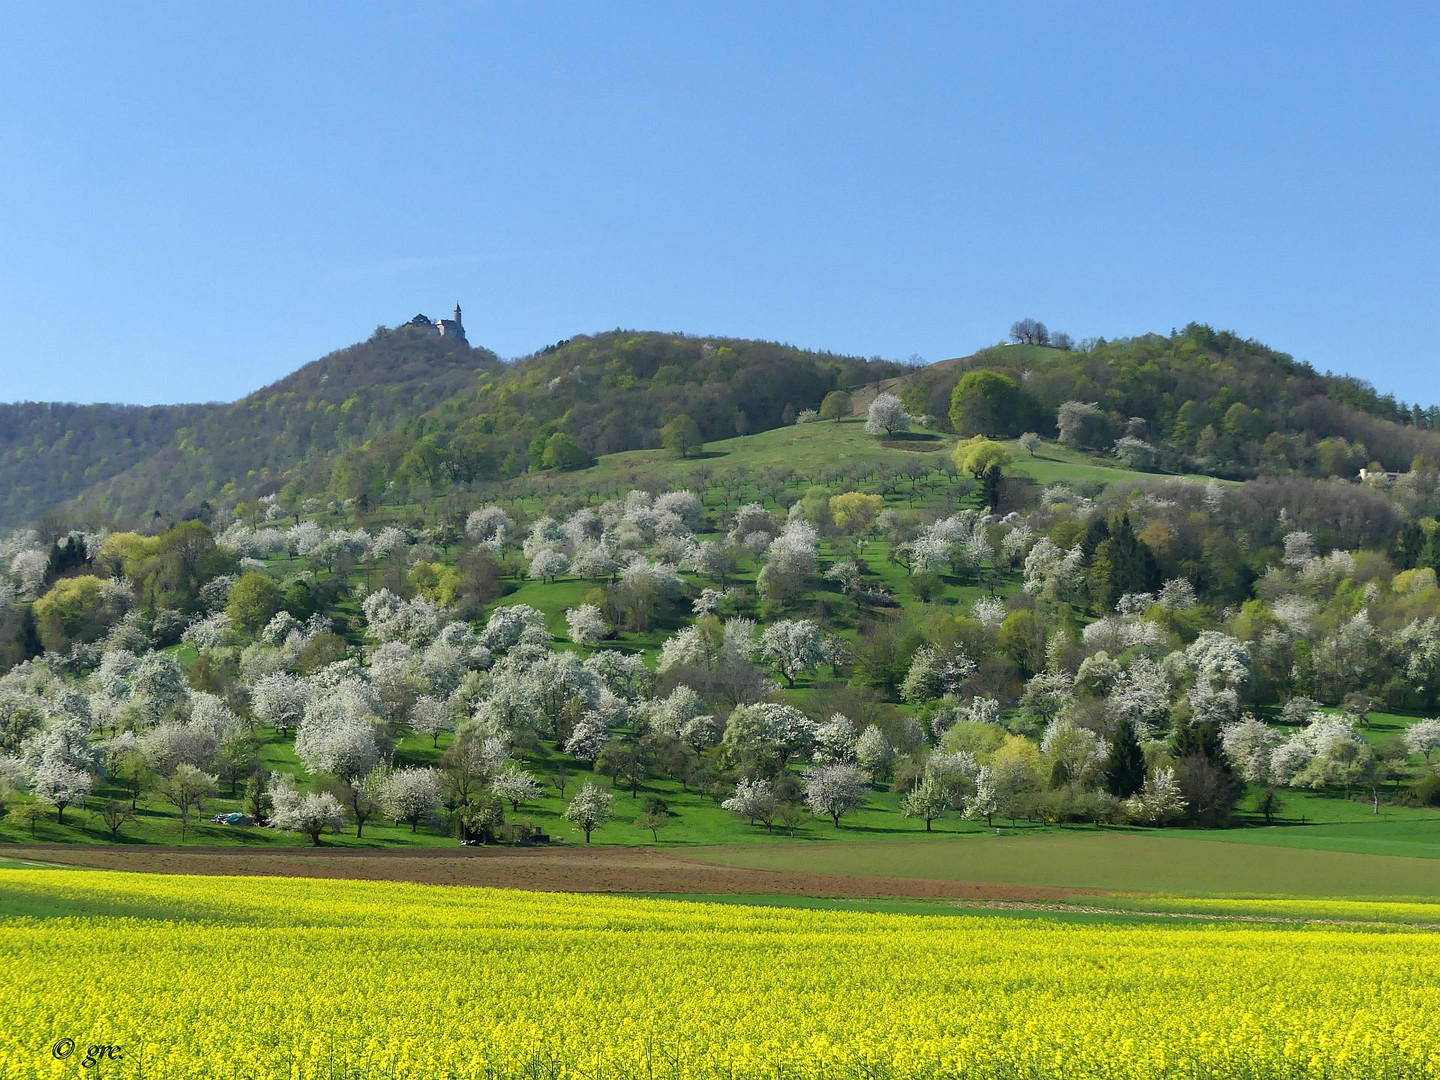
[[61, 786], [279, 700], [835, 790], [516, 785], [792, 647], [590, 809], [1159, 801], [430, 717], [511, 625], [337, 732], [586, 625], [410, 795], [886, 416], [754, 800], [1423, 737], [873, 752], [312, 814], [927, 800]]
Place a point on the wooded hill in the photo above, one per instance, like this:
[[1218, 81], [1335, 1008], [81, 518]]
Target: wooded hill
[[406, 407], [1201, 400], [406, 415]]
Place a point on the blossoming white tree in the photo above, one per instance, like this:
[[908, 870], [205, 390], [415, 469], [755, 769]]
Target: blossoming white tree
[[591, 808], [886, 415]]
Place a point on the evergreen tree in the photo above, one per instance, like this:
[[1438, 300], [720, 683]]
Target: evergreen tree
[[990, 486], [1408, 545], [1133, 567], [1125, 765], [1430, 553]]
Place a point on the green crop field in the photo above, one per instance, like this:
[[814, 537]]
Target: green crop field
[[1109, 860]]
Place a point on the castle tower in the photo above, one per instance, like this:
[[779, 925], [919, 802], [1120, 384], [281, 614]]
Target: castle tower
[[452, 327]]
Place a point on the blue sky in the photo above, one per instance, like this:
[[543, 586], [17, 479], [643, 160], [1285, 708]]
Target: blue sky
[[195, 199]]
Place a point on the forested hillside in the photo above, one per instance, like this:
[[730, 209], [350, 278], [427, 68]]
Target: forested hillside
[[404, 410], [590, 396], [1200, 400], [288, 432], [407, 417], [50, 451]]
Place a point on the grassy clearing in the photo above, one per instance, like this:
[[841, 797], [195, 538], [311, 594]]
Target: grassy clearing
[[1053, 463]]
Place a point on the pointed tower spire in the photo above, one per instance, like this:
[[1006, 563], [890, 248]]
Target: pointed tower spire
[[457, 314]]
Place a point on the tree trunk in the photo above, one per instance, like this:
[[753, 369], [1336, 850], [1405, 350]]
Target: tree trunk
[[927, 824]]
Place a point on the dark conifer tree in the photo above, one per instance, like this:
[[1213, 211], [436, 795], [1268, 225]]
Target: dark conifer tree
[[1125, 765]]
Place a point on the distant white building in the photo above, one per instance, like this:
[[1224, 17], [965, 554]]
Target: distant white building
[[451, 328]]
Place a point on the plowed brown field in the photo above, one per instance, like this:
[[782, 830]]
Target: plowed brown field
[[595, 869]]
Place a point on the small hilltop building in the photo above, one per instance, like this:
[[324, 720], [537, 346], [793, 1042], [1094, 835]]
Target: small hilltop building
[[448, 328]]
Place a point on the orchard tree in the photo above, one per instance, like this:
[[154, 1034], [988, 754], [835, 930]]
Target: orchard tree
[[927, 800], [985, 801], [430, 716], [549, 564], [279, 700], [835, 790], [886, 416], [516, 785], [754, 800], [187, 789], [793, 647], [1423, 737], [1030, 441], [1159, 801], [158, 686], [61, 785], [113, 815], [410, 795], [873, 752], [337, 732], [586, 625], [654, 819], [311, 814], [591, 808]]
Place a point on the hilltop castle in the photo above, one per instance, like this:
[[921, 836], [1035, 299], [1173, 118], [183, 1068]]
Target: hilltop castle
[[450, 328]]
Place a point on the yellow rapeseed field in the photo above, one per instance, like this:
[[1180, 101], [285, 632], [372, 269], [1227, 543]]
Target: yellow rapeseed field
[[251, 977]]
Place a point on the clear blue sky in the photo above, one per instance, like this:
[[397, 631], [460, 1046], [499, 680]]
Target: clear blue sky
[[197, 198]]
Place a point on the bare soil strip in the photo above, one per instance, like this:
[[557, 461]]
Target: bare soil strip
[[596, 869]]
